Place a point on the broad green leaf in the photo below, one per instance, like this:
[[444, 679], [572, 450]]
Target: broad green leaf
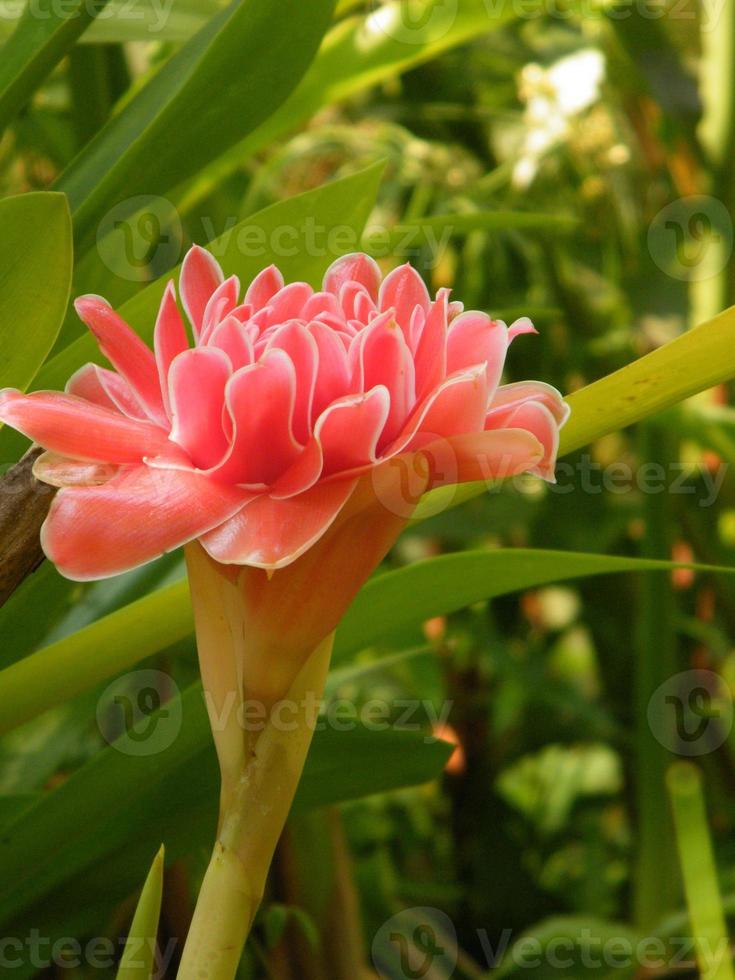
[[309, 219], [125, 793], [698, 359], [389, 605], [140, 948], [44, 34], [366, 50], [225, 81], [35, 278], [704, 902]]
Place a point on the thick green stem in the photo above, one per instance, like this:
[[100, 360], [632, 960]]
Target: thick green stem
[[262, 756]]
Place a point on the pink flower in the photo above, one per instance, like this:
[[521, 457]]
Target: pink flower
[[253, 439]]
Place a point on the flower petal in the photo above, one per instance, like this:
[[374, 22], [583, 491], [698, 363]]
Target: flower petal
[[508, 397], [431, 350], [169, 339], [265, 285], [232, 337], [260, 399], [138, 515], [200, 276], [537, 419], [270, 533], [384, 359], [126, 352], [355, 267], [197, 381], [220, 304], [474, 338], [59, 471], [349, 430], [333, 375], [70, 426], [403, 290], [486, 456], [298, 343]]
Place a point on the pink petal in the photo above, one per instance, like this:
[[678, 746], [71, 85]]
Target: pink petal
[[265, 285], [483, 456], [355, 303], [169, 339], [232, 337], [457, 406], [197, 381], [299, 344], [138, 515], [200, 276], [356, 267], [126, 352], [349, 430], [121, 394], [333, 375], [476, 339], [537, 419], [384, 359], [520, 326], [318, 304], [288, 303], [270, 533], [260, 399], [59, 471], [507, 397], [431, 355], [85, 383], [70, 426], [220, 304], [302, 474], [403, 290]]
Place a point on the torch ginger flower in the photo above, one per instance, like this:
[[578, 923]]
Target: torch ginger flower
[[276, 448], [254, 439]]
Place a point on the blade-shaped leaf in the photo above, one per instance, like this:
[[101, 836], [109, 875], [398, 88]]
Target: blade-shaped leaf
[[226, 80], [140, 948], [388, 606], [126, 795], [35, 278], [43, 35]]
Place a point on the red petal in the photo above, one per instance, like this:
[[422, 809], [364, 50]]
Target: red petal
[[169, 339], [356, 267], [197, 381], [200, 276]]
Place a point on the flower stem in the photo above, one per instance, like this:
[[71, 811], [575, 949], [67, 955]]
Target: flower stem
[[256, 794]]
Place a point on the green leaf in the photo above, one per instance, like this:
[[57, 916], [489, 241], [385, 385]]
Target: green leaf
[[35, 279], [312, 217], [225, 81], [44, 34], [704, 901], [125, 793], [390, 605], [366, 50], [140, 947]]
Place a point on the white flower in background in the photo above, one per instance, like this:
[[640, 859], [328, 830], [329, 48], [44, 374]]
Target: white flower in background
[[554, 97]]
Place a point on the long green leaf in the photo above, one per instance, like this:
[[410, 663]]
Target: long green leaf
[[35, 278], [225, 81], [140, 948], [44, 34], [366, 50], [125, 792], [389, 604], [704, 901]]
